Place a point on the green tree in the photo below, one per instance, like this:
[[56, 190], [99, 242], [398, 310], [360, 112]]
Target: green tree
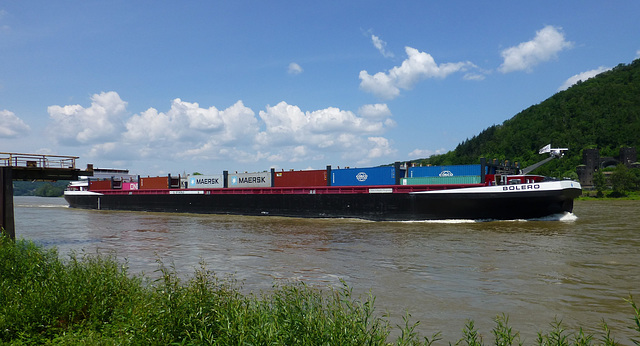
[[635, 172], [48, 190], [571, 175], [600, 182], [602, 112], [622, 180]]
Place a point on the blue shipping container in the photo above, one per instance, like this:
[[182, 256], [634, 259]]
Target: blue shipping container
[[444, 171], [363, 176]]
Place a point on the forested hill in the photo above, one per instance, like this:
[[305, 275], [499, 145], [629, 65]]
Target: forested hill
[[602, 112]]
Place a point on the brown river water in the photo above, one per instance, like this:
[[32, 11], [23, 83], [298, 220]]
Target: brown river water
[[578, 268]]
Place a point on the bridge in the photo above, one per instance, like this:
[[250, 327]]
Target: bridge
[[15, 166]]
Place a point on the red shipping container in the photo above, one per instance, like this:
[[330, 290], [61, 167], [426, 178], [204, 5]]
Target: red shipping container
[[300, 178], [99, 185], [154, 183]]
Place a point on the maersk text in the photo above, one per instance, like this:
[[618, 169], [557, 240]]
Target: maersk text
[[209, 181], [252, 180]]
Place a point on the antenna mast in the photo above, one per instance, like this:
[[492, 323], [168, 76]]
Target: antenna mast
[[553, 152]]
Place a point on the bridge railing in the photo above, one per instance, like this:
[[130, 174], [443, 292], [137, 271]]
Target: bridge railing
[[37, 161]]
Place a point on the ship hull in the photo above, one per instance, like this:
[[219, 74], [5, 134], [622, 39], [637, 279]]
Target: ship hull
[[525, 201]]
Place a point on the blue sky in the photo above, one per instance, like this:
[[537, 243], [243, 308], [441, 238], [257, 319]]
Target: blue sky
[[170, 87]]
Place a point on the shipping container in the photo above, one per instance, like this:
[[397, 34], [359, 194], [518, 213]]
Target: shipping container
[[300, 178], [154, 183], [261, 179], [206, 181], [174, 182], [99, 185], [462, 179], [129, 186], [363, 176], [116, 183], [444, 171]]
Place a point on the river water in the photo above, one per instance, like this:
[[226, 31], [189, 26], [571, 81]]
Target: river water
[[578, 269]]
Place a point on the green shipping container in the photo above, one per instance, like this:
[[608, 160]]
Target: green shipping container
[[465, 179]]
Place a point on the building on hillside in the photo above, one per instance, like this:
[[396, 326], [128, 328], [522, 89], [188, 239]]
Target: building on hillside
[[592, 162]]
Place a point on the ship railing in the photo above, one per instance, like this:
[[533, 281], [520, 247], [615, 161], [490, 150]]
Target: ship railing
[[295, 190], [37, 161]]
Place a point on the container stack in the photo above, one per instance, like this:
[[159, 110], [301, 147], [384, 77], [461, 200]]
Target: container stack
[[443, 175], [367, 176]]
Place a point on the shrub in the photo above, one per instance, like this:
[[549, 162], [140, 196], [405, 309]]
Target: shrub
[[92, 300]]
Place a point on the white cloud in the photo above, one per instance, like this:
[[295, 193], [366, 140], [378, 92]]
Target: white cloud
[[638, 54], [11, 126], [378, 147], [474, 76], [296, 134], [582, 77], [546, 45], [381, 46], [289, 124], [375, 111], [424, 153], [3, 27], [417, 67], [200, 131], [74, 124], [104, 150], [187, 131], [294, 68], [380, 84]]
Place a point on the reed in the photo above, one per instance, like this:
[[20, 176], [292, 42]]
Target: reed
[[92, 299]]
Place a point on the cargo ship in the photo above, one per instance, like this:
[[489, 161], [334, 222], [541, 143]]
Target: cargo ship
[[391, 193]]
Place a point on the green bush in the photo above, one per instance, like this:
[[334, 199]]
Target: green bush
[[91, 299], [41, 297]]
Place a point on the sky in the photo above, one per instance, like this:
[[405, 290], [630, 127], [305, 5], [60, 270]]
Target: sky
[[168, 87]]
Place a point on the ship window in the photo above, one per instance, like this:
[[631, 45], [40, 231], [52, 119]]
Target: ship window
[[515, 181]]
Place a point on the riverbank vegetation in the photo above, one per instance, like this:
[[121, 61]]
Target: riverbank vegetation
[[614, 183], [40, 188], [609, 195], [94, 300]]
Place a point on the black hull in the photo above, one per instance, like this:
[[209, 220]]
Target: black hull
[[470, 203]]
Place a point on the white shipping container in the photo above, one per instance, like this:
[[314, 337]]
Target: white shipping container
[[206, 181], [262, 179]]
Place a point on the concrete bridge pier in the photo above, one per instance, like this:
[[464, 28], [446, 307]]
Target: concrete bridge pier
[[6, 203], [14, 166]]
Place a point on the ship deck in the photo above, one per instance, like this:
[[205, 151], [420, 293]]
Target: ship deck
[[293, 190]]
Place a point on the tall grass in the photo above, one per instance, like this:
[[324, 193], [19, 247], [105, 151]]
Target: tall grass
[[91, 299]]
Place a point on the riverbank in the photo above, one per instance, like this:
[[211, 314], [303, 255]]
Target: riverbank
[[94, 300], [609, 196]]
